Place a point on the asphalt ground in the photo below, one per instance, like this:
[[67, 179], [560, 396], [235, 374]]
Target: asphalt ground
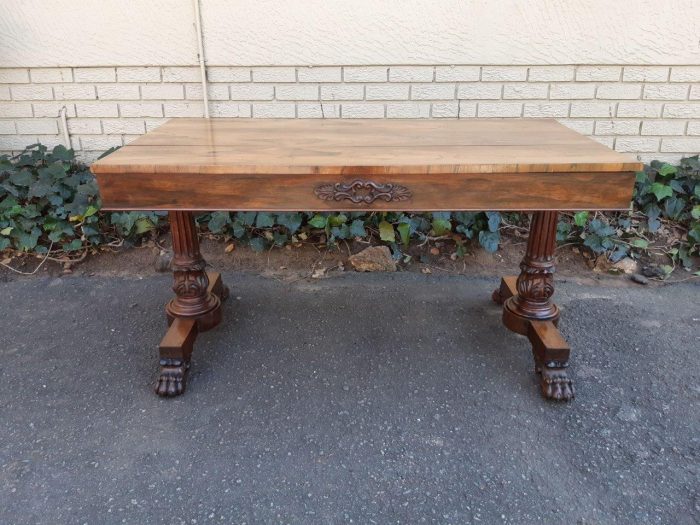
[[382, 398]]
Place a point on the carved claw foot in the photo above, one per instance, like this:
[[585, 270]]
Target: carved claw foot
[[555, 384], [173, 377]]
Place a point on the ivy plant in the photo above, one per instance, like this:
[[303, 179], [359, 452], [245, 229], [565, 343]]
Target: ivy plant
[[49, 200], [663, 193]]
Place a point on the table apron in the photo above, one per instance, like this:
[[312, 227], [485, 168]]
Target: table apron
[[352, 192]]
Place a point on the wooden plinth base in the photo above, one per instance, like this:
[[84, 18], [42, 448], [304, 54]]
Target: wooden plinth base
[[549, 349], [177, 344]]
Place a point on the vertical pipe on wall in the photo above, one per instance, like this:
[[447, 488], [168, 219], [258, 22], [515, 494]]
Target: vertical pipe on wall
[[64, 127], [200, 49]]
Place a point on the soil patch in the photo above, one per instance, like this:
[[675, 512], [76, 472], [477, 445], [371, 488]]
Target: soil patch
[[313, 260]]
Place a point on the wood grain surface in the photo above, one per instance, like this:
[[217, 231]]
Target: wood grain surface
[[244, 164], [383, 146]]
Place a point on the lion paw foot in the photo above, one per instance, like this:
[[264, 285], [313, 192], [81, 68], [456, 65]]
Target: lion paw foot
[[556, 384], [172, 379]]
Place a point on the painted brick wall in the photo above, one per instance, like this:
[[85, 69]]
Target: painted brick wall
[[651, 111]]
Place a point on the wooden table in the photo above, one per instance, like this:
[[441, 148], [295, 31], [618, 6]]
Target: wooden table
[[533, 165]]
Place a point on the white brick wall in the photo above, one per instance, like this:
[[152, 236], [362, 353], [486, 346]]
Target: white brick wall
[[651, 111]]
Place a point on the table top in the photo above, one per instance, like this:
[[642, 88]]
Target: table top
[[293, 146]]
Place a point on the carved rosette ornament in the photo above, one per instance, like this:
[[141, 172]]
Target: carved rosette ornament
[[362, 192]]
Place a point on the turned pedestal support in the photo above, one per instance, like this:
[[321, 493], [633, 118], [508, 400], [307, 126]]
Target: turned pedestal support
[[195, 308], [529, 310]]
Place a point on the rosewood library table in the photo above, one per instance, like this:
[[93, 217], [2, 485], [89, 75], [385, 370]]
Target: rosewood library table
[[536, 165]]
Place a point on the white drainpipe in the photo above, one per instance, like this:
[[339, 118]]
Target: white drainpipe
[[200, 48], [64, 127]]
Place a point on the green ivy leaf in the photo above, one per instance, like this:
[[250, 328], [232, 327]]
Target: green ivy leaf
[[594, 242], [124, 222], [22, 178], [50, 224], [404, 230], [600, 228], [60, 152], [563, 230], [357, 228], [218, 221], [337, 220], [661, 191], [258, 244], [279, 238], [264, 220], [6, 231], [489, 240], [694, 233], [56, 236], [341, 232], [673, 206], [144, 225], [641, 177], [494, 220], [53, 172], [247, 218], [684, 257], [619, 253], [466, 218], [652, 211], [72, 246], [39, 189], [441, 226], [581, 218], [28, 241], [291, 221], [667, 269], [676, 186], [695, 212], [386, 232], [640, 243], [667, 169], [238, 229], [8, 202], [318, 221]]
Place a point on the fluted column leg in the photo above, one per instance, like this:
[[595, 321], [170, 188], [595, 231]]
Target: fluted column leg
[[528, 309], [535, 284], [195, 308], [192, 299]]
